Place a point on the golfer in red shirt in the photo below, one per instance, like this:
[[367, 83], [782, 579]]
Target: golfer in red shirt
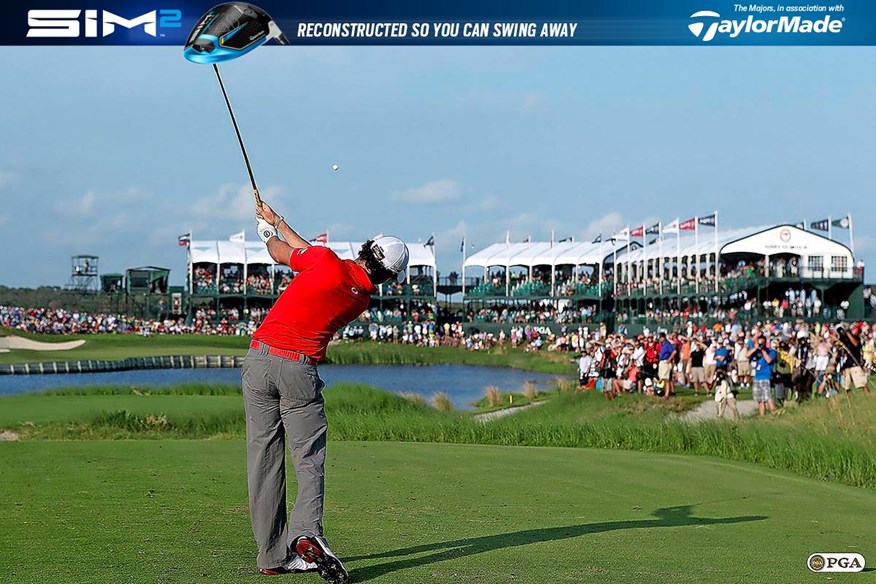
[[282, 390]]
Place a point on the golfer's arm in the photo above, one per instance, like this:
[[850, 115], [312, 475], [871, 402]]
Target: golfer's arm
[[279, 250], [294, 240]]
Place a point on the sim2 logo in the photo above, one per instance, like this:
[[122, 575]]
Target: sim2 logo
[[836, 562], [707, 24], [94, 23]]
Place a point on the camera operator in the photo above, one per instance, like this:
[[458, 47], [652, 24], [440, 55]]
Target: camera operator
[[802, 377], [850, 366], [764, 360], [785, 362]]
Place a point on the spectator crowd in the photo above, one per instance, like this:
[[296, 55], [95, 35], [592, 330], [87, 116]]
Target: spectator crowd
[[777, 359]]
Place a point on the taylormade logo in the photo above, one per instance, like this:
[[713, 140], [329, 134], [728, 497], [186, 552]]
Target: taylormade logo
[[707, 24]]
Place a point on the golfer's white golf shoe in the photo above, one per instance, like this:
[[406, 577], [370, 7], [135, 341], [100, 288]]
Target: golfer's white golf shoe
[[294, 565], [315, 549]]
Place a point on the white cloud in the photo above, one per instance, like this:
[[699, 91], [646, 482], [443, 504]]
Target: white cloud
[[100, 204], [439, 191], [336, 231], [533, 100], [230, 203], [231, 208], [607, 225], [489, 203]]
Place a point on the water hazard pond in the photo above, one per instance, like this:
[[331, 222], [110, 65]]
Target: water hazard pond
[[463, 383]]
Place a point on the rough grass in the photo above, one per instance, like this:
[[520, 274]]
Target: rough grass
[[828, 441]]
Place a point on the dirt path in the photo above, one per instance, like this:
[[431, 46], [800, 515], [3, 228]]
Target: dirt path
[[490, 416]]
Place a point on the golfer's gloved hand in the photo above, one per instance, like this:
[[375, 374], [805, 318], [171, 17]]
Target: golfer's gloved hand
[[265, 230]]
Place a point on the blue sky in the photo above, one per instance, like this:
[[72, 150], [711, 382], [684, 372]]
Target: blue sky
[[115, 151]]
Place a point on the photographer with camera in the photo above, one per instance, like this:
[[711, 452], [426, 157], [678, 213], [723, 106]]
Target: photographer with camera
[[850, 366], [764, 360]]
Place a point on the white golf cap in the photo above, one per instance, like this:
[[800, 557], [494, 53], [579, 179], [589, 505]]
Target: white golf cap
[[392, 253]]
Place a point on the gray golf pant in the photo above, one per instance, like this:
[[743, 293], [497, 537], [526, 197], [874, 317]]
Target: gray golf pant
[[284, 403]]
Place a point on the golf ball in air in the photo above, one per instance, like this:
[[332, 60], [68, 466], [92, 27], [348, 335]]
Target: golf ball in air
[[334, 167]]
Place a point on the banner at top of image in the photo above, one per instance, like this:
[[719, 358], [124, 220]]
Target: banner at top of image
[[459, 22]]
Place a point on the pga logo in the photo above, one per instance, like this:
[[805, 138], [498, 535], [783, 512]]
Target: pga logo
[[822, 562], [65, 23]]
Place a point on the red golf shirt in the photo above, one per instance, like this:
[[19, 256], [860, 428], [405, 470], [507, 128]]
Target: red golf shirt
[[327, 293]]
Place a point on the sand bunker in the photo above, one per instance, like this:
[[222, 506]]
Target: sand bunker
[[29, 345]]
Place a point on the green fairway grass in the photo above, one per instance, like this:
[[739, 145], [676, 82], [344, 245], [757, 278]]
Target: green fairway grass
[[829, 440], [175, 511]]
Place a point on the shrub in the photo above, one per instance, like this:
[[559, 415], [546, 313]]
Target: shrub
[[494, 397], [441, 402]]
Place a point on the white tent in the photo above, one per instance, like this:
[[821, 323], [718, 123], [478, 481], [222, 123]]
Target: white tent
[[820, 256], [255, 253]]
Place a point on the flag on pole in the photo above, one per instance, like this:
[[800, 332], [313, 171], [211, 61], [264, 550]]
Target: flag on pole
[[638, 231], [842, 223], [622, 234], [597, 239], [820, 225], [185, 240], [654, 229], [462, 245], [238, 237], [688, 224], [431, 241], [709, 220], [321, 238], [671, 227]]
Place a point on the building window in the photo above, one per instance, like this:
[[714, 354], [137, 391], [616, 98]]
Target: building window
[[839, 263], [816, 263]]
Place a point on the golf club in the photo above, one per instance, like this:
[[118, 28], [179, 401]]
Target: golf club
[[226, 32]]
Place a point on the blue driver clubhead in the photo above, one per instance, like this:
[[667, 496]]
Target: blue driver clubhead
[[229, 31]]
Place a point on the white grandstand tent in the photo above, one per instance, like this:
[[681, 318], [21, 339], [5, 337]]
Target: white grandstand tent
[[818, 256], [531, 254], [249, 253]]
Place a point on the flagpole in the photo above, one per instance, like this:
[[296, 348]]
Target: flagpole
[[829, 227], [614, 264], [463, 266], [434, 269], [644, 275], [191, 268], [627, 253], [851, 235], [678, 255], [601, 266], [717, 267], [697, 254], [660, 256]]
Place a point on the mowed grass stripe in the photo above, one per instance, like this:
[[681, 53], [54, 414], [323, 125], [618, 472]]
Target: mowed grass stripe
[[826, 439], [175, 511]]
